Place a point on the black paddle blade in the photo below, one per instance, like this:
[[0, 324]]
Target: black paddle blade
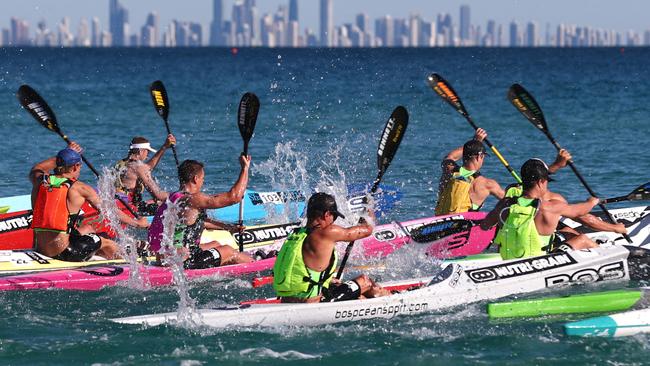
[[391, 138], [439, 230], [38, 108], [249, 106], [642, 193], [526, 104], [446, 92], [159, 99]]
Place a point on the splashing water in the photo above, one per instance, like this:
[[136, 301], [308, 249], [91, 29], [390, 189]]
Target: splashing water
[[187, 315], [127, 244], [286, 169]]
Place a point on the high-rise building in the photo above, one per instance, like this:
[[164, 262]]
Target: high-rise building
[[326, 23], [385, 31], [363, 22], [532, 35], [216, 27], [464, 24], [293, 11], [83, 34], [118, 23], [414, 31], [19, 32], [149, 31], [514, 34], [96, 38]]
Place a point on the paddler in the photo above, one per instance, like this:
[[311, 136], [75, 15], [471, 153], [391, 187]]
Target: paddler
[[135, 176], [306, 264], [56, 201], [463, 188], [527, 223], [192, 218], [564, 232]]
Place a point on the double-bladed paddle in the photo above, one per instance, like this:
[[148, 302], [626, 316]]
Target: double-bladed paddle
[[526, 104], [388, 144], [448, 94], [641, 193], [249, 107], [161, 104], [43, 114]]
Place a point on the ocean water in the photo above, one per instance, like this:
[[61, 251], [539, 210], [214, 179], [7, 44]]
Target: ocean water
[[320, 119]]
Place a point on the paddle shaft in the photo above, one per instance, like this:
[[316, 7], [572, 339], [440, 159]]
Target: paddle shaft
[[92, 168], [241, 206], [494, 149], [584, 183], [169, 132]]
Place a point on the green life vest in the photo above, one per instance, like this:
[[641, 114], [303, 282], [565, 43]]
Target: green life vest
[[518, 237], [455, 196], [291, 277], [514, 190]]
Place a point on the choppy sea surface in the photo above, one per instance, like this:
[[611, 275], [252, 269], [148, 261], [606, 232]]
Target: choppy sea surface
[[320, 119]]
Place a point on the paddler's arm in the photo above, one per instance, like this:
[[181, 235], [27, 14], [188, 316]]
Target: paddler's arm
[[155, 159], [571, 211], [211, 224], [234, 195], [337, 233], [561, 160], [597, 224], [40, 169], [89, 194], [144, 174]]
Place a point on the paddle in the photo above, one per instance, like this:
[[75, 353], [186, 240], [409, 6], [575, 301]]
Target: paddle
[[439, 230], [249, 106], [161, 104], [641, 193], [447, 93], [526, 104], [40, 110], [388, 144]]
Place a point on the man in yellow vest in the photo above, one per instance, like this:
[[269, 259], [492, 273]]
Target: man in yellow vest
[[463, 188], [528, 222], [306, 263]]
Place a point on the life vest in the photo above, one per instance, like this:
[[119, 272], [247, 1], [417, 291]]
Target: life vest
[[518, 237], [134, 195], [290, 274], [188, 236], [50, 211], [514, 190], [455, 196]]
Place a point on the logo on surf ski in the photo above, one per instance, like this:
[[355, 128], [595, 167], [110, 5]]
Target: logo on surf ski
[[384, 235], [266, 233], [14, 223], [608, 272], [520, 268], [260, 198]]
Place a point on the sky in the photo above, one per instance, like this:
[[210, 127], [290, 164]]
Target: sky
[[620, 15]]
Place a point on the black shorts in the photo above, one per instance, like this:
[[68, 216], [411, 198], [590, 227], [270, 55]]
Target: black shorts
[[80, 248], [200, 259], [342, 291]]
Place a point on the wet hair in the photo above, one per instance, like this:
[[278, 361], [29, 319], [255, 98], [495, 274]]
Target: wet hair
[[472, 148], [188, 170], [137, 140]]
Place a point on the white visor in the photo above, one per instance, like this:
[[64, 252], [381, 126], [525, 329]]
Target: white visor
[[146, 146]]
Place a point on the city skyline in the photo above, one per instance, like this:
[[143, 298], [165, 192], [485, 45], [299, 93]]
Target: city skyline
[[245, 23], [621, 16]]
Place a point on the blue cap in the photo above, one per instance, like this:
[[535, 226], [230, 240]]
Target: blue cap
[[67, 157]]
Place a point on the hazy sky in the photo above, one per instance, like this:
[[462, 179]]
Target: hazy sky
[[620, 14]]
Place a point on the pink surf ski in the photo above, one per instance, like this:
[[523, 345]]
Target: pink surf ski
[[385, 240]]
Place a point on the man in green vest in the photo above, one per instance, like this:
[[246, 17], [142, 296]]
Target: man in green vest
[[306, 263], [528, 222]]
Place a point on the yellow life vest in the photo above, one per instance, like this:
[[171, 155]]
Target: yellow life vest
[[455, 196]]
